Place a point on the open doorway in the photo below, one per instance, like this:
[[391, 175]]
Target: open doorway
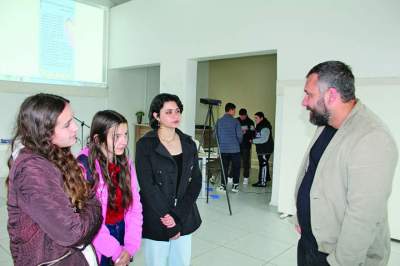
[[249, 82]]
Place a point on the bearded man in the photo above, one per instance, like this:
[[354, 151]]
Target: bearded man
[[346, 176]]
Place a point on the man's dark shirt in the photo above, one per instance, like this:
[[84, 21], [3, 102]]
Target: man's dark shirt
[[303, 196], [247, 124]]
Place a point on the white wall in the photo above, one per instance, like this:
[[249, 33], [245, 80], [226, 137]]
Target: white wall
[[363, 34], [202, 91], [381, 95], [85, 102], [131, 90], [152, 88]]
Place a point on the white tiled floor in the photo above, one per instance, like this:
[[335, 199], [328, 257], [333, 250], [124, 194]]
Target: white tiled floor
[[253, 235]]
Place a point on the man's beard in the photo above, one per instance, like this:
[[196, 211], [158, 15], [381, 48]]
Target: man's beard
[[319, 117]]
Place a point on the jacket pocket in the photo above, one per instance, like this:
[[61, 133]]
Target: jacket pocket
[[33, 239]]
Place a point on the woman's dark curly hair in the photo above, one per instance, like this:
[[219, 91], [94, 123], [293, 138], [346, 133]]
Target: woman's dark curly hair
[[157, 104], [102, 122], [35, 126]]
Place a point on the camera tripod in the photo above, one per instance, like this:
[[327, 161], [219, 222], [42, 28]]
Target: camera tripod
[[210, 122]]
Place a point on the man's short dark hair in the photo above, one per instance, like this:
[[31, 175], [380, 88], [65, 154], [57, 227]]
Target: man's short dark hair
[[229, 106], [158, 102], [260, 114], [242, 111], [338, 75]]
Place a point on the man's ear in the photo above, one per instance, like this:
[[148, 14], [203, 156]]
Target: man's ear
[[332, 95]]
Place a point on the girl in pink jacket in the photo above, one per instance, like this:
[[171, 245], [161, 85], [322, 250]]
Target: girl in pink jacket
[[113, 177]]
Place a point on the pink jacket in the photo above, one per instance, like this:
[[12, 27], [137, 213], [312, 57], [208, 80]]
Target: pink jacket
[[104, 243]]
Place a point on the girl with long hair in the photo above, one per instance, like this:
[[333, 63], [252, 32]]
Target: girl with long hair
[[52, 215], [112, 175], [170, 182]]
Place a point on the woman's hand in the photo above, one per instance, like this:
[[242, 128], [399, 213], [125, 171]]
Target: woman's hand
[[175, 237], [168, 221], [123, 259]]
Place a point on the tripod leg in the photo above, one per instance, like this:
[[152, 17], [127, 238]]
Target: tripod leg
[[222, 165], [82, 135], [208, 186], [207, 121], [226, 181]]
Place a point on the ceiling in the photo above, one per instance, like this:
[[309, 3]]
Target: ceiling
[[118, 2]]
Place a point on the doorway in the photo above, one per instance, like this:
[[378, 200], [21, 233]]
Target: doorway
[[249, 82]]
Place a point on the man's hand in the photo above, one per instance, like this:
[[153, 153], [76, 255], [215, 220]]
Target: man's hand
[[298, 228]]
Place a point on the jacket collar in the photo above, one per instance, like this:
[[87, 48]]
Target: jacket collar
[[227, 116], [153, 134], [340, 134], [356, 109], [84, 151], [342, 130], [185, 142]]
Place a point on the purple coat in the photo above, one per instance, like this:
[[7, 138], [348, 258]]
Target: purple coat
[[41, 222], [104, 243]]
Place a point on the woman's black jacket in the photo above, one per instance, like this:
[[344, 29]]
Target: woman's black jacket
[[157, 176]]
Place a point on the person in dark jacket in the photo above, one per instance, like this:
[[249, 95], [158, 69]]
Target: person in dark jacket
[[248, 130], [53, 216], [264, 147], [170, 182]]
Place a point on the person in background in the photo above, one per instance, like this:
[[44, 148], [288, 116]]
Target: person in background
[[170, 182], [345, 180], [248, 131], [52, 214], [229, 136], [264, 147], [112, 175]]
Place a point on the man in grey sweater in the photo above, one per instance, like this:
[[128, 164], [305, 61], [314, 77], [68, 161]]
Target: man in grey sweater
[[229, 136]]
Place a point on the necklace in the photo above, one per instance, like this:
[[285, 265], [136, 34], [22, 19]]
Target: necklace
[[167, 140]]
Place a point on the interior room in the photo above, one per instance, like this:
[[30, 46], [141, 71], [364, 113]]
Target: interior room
[[249, 82], [119, 54]]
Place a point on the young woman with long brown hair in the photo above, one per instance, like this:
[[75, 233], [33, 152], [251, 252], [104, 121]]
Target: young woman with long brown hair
[[112, 175], [52, 215]]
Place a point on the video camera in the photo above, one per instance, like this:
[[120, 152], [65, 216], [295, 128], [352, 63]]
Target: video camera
[[210, 101]]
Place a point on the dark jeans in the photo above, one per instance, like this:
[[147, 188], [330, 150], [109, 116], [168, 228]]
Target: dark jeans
[[246, 155], [263, 168], [118, 231], [232, 160], [310, 257]]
